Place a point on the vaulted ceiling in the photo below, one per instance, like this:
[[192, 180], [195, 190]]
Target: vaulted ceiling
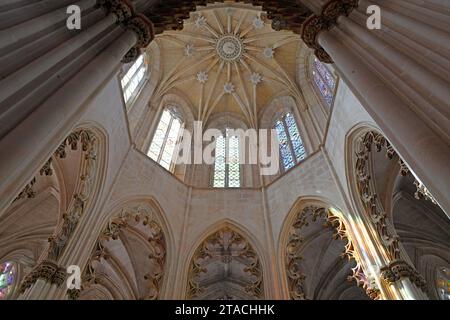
[[227, 58]]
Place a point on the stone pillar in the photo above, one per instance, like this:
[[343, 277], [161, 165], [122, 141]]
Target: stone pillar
[[33, 140], [403, 92], [314, 5]]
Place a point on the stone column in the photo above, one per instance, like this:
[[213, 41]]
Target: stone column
[[314, 5], [403, 92], [31, 143]]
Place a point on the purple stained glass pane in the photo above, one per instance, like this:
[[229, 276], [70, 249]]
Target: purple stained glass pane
[[325, 73], [296, 140], [323, 88], [285, 152], [7, 277]]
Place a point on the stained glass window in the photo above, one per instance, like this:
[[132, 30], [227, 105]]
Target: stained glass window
[[324, 81], [292, 150], [133, 79], [7, 277], [165, 139], [227, 170], [443, 283]]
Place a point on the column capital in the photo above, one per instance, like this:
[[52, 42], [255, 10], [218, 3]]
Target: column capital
[[325, 21], [398, 269], [145, 32], [143, 28], [122, 9], [46, 270]]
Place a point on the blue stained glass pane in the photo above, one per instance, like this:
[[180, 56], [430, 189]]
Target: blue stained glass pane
[[296, 140], [285, 152], [323, 88], [325, 73]]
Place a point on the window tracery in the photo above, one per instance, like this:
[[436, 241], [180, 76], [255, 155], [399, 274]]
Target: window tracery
[[134, 78], [167, 134], [324, 81], [292, 150], [227, 171]]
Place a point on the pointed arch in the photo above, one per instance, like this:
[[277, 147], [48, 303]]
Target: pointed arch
[[230, 243], [129, 257], [314, 223], [382, 189], [76, 172]]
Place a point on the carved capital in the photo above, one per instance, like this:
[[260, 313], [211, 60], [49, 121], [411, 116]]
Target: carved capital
[[122, 9], [131, 55], [48, 271], [336, 8], [323, 22], [143, 28], [399, 269], [73, 294]]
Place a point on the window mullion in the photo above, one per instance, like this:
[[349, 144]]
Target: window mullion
[[176, 149], [289, 138], [227, 157]]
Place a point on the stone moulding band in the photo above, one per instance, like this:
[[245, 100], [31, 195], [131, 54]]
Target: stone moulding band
[[323, 22]]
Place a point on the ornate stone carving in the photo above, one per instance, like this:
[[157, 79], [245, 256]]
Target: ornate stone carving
[[48, 271], [131, 55], [368, 194], [230, 47], [143, 28], [399, 269], [285, 14], [423, 193], [122, 9], [129, 217], [227, 245], [47, 168], [293, 256], [48, 268], [325, 21], [145, 32], [86, 138], [27, 192]]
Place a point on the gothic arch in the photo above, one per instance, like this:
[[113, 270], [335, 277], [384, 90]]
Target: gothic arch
[[80, 157], [379, 182], [129, 258], [242, 250], [303, 234], [153, 204]]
